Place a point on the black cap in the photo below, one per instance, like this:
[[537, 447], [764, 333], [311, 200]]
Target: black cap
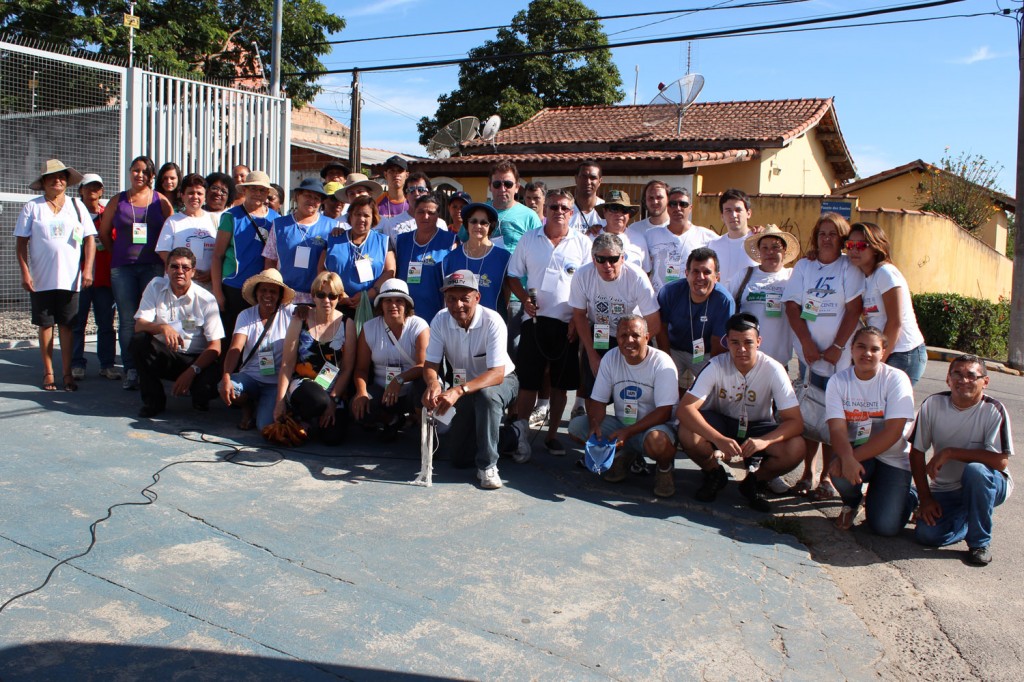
[[334, 163], [397, 161]]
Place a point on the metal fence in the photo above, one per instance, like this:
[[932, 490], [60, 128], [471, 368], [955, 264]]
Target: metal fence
[[96, 117]]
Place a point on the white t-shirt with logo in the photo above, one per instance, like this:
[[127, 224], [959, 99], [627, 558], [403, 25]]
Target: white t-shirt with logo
[[54, 254], [762, 298], [584, 222], [887, 395], [249, 325], [608, 302], [642, 226], [651, 384], [668, 252], [728, 392], [196, 233], [732, 256], [886, 277]]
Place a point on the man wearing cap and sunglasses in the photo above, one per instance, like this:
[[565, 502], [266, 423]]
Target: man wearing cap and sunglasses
[[417, 186], [473, 340], [669, 246], [728, 415]]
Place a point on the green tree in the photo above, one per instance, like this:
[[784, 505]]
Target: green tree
[[517, 88], [213, 38], [962, 188]]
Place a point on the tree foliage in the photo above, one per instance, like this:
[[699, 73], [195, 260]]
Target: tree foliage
[[962, 188], [517, 88], [212, 38]]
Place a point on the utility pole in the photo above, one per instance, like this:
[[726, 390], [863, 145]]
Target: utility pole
[[355, 138], [275, 52], [132, 23], [1016, 344]]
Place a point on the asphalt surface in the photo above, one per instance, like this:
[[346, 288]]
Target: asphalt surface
[[325, 564]]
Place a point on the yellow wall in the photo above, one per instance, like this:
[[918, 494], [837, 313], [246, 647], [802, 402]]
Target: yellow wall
[[745, 175], [475, 185], [803, 168]]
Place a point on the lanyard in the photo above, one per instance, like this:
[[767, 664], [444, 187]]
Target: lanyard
[[689, 308]]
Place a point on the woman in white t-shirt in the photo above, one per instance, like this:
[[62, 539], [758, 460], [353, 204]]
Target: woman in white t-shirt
[[192, 228], [870, 412], [887, 303]]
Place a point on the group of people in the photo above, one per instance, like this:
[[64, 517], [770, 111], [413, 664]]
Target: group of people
[[361, 304]]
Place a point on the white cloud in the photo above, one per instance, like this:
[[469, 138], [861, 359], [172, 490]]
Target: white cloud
[[382, 7], [981, 54], [872, 160]]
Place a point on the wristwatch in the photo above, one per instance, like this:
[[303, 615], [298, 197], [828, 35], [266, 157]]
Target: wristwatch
[[197, 369], [465, 391], [400, 380]]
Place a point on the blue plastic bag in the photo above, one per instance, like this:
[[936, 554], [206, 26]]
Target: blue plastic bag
[[599, 453]]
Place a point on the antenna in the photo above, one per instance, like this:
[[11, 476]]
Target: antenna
[[490, 130], [449, 140], [673, 100]]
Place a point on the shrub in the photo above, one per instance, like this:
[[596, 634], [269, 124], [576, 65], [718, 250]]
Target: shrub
[[968, 325]]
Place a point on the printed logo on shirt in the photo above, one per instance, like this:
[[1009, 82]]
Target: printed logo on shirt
[[485, 280], [823, 288], [631, 393], [863, 415]]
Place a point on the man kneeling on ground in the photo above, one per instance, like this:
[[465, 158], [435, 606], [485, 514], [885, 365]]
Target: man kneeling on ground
[[642, 383], [728, 415]]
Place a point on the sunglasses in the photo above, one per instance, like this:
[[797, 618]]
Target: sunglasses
[[182, 268], [323, 294], [559, 208], [616, 209], [477, 221], [601, 260], [417, 190], [856, 246], [507, 184], [675, 203]]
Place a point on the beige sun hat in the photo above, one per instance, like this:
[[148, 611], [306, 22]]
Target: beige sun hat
[[268, 276], [616, 197], [792, 244], [52, 166], [359, 180], [256, 179]]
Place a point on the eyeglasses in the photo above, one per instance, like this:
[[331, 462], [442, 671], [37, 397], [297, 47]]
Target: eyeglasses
[[601, 260], [217, 189], [179, 266], [675, 203], [477, 221], [559, 208], [323, 294], [959, 376], [507, 184], [417, 190], [856, 246]]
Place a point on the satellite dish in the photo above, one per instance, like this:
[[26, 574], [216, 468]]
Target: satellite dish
[[672, 101], [491, 128], [450, 139]]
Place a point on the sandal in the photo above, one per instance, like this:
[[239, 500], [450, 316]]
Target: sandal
[[847, 515], [802, 488], [69, 383], [824, 491], [49, 385], [248, 421]]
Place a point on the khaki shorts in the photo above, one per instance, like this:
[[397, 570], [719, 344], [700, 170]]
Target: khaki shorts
[[687, 370]]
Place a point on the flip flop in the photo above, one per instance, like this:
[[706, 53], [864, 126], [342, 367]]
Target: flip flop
[[50, 385], [802, 488], [824, 491], [69, 383], [847, 515]]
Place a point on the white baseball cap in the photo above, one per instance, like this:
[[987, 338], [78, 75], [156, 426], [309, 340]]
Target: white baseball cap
[[90, 178]]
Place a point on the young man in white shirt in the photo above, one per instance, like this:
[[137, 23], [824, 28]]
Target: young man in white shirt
[[178, 334], [655, 198], [640, 382], [732, 253], [669, 246], [727, 415], [584, 216], [473, 339]]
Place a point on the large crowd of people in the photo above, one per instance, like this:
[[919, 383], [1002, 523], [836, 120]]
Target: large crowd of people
[[353, 304]]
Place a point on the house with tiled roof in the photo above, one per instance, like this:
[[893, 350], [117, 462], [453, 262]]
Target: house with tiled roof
[[789, 146]]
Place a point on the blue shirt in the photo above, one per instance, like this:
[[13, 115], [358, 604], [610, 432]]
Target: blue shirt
[[244, 256], [426, 293], [514, 222], [490, 271], [687, 320], [291, 235], [342, 255]]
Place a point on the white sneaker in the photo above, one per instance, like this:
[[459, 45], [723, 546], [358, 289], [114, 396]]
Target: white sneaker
[[778, 486], [111, 373], [578, 411], [78, 373], [489, 478], [539, 417], [524, 450]]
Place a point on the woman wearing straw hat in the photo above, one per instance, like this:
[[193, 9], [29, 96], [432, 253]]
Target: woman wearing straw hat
[[255, 355], [52, 234], [298, 239], [129, 230], [316, 366]]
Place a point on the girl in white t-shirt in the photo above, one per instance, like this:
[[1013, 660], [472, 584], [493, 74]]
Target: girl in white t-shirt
[[192, 228], [887, 303], [869, 408]]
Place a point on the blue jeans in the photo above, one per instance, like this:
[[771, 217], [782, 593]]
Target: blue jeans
[[887, 506], [912, 362], [579, 428], [101, 299], [128, 282], [477, 419], [966, 513], [260, 395]]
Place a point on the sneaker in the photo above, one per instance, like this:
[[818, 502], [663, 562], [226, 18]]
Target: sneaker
[[524, 450], [713, 482], [78, 373], [617, 472], [539, 417], [111, 373], [754, 491], [979, 556], [555, 447], [639, 466], [489, 478], [578, 411], [664, 484], [131, 380], [778, 485]]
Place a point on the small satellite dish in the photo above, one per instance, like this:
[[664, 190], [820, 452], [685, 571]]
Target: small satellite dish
[[491, 128], [672, 101], [450, 139]]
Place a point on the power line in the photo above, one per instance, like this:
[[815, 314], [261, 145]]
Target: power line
[[634, 43]]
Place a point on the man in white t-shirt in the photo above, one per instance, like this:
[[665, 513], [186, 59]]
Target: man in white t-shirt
[[732, 254], [967, 476], [728, 415], [473, 340], [669, 246], [655, 197], [584, 216], [178, 334], [640, 382]]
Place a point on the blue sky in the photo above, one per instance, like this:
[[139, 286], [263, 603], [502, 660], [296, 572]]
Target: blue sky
[[901, 92]]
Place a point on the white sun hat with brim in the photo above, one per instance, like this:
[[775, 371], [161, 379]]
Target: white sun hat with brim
[[256, 179], [791, 242], [52, 166], [393, 288], [268, 276], [359, 180]]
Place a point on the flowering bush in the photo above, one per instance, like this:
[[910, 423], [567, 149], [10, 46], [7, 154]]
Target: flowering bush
[[969, 325]]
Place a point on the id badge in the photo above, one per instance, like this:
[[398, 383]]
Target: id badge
[[140, 231], [551, 280], [601, 332], [445, 418], [630, 411], [741, 430], [772, 305], [861, 433], [389, 375], [458, 377], [188, 325], [301, 257], [415, 272], [76, 235], [673, 270], [56, 229], [698, 351], [266, 362], [326, 376], [364, 270], [811, 309]]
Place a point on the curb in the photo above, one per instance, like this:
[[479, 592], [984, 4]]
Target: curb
[[34, 343], [946, 355]]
